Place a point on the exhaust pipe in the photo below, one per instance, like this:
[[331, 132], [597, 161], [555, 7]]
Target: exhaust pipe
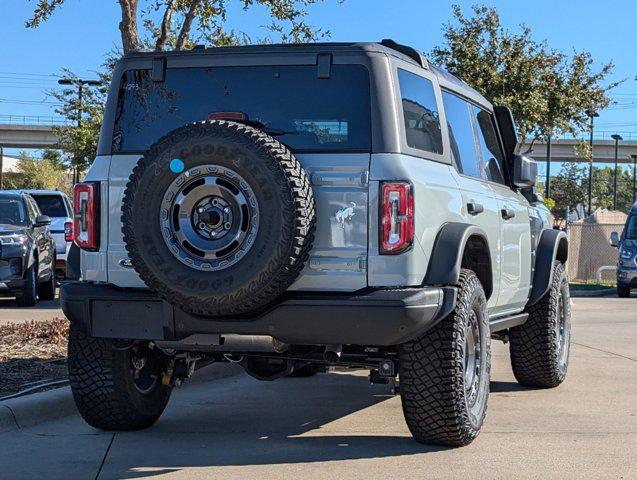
[[332, 353]]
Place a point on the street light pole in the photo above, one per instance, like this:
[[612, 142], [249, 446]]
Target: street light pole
[[80, 95], [591, 115], [634, 178], [548, 167], [617, 138]]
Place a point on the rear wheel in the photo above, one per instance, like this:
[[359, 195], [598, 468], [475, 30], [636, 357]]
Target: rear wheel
[[444, 375], [540, 347], [116, 389], [28, 296], [623, 291]]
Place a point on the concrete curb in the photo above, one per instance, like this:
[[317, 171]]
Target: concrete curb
[[592, 293], [30, 410], [37, 408]]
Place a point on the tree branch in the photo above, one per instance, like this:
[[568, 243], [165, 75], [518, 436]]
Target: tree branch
[[165, 26], [184, 33], [128, 25]]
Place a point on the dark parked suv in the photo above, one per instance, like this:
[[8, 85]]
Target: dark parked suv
[[627, 265], [27, 250]]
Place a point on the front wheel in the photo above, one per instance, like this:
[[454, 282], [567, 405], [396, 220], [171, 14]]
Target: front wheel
[[28, 296], [444, 374], [623, 291], [46, 291], [116, 389], [540, 347]]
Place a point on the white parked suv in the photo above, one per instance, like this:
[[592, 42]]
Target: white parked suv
[[56, 205], [296, 207]]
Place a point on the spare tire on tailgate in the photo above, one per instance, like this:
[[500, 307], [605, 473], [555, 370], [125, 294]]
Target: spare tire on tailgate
[[218, 218]]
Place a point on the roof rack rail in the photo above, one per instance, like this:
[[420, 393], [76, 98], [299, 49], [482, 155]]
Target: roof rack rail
[[406, 50]]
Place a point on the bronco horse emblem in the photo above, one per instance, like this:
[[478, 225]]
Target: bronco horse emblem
[[345, 215]]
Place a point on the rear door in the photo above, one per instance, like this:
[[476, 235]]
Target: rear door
[[480, 206], [325, 121], [515, 227]]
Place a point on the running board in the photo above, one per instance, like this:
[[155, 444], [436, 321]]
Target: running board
[[504, 323]]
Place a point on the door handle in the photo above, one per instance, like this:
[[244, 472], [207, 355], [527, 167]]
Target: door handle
[[474, 208], [507, 213]]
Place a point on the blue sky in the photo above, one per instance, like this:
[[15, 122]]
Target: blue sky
[[81, 33]]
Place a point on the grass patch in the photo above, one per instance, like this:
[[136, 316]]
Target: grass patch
[[590, 286], [31, 353]]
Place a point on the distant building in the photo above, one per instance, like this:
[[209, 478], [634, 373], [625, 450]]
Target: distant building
[[10, 164]]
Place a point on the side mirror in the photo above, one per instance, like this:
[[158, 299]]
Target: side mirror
[[614, 239], [524, 171], [42, 221]]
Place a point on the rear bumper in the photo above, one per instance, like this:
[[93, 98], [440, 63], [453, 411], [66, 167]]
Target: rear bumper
[[379, 317]]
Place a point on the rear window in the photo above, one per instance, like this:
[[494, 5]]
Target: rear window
[[51, 205], [299, 109]]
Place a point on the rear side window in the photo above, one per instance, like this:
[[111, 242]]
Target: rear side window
[[461, 136], [51, 205], [420, 112], [304, 112]]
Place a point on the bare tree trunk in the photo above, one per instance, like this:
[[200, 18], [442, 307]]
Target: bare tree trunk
[[165, 26], [128, 25], [185, 28]]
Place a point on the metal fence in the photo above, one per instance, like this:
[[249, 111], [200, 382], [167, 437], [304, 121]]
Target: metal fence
[[589, 249], [31, 120]]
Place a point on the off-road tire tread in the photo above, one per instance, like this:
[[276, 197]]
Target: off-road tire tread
[[99, 397], [300, 206], [534, 356], [432, 378]]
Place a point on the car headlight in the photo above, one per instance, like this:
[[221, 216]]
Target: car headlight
[[13, 239], [626, 254]]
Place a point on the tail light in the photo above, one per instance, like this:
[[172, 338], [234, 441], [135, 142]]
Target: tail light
[[86, 218], [397, 217], [68, 231]]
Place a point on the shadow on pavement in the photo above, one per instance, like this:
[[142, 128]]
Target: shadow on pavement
[[261, 423], [498, 387]]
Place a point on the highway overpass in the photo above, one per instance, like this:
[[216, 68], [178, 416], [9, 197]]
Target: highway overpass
[[18, 131], [37, 132]]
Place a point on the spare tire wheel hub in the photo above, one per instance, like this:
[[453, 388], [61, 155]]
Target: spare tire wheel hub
[[209, 217]]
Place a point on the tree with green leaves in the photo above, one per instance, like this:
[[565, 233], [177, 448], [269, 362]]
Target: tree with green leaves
[[178, 24], [547, 90], [159, 25], [568, 188], [46, 173]]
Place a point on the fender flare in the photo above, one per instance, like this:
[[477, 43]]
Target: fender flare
[[446, 256], [553, 245]]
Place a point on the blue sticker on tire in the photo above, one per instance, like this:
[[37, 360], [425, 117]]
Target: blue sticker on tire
[[176, 165]]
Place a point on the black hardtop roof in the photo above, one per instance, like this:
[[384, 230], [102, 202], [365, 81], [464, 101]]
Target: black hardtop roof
[[387, 47]]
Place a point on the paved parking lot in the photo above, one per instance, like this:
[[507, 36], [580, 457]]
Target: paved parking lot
[[337, 426], [11, 312]]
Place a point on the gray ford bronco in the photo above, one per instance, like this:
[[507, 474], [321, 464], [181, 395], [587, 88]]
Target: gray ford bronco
[[293, 208]]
